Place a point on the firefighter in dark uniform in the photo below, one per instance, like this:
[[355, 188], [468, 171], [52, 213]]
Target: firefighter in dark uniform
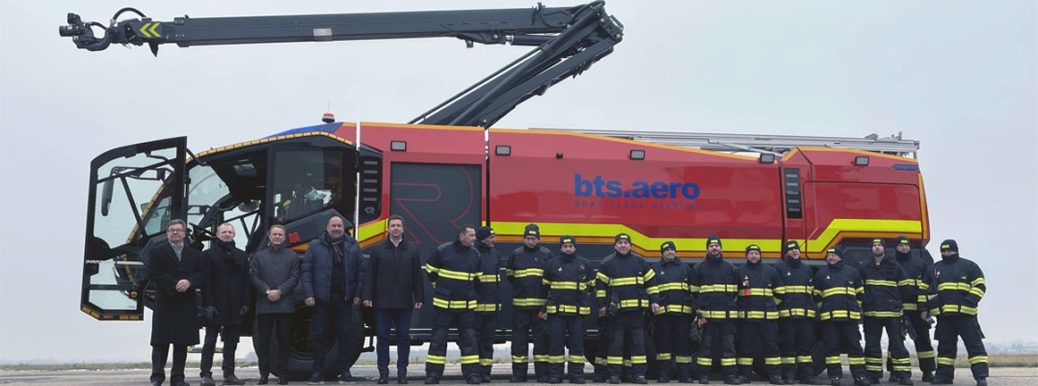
[[884, 282], [525, 272], [715, 284], [605, 330], [796, 316], [839, 289], [626, 277], [913, 295], [453, 270], [957, 285], [570, 280], [487, 301], [758, 316], [673, 287]]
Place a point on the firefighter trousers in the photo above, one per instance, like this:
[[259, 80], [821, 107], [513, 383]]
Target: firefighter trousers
[[718, 336], [798, 340], [463, 321], [923, 347], [949, 329], [762, 332], [673, 349], [566, 332], [843, 336], [628, 326], [896, 352], [525, 323], [485, 323]]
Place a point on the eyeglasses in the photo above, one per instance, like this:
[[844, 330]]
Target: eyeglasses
[[174, 231]]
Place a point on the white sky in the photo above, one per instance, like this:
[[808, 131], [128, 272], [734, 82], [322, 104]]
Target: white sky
[[958, 76]]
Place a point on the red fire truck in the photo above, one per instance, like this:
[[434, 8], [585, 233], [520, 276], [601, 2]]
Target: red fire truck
[[447, 168]]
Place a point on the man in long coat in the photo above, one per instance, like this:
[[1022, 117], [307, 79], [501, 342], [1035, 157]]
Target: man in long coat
[[175, 270]]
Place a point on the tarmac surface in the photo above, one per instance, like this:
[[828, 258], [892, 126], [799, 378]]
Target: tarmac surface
[[368, 374]]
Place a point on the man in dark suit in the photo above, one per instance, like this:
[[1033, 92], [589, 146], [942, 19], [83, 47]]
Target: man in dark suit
[[175, 270]]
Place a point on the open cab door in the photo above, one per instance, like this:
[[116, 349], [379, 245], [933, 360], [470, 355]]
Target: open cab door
[[134, 192]]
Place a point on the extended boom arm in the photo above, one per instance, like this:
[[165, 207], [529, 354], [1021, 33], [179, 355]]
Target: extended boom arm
[[568, 41]]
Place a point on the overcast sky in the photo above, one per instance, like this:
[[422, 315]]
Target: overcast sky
[[958, 76]]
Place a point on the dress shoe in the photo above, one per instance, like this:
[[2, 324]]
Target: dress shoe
[[383, 379], [208, 381], [316, 379], [264, 379], [232, 380], [282, 381]]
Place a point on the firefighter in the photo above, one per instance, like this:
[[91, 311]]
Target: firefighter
[[714, 280], [758, 316], [487, 302], [796, 316], [884, 283], [626, 277], [957, 285], [673, 287], [913, 296], [529, 295], [839, 289], [452, 269], [569, 280]]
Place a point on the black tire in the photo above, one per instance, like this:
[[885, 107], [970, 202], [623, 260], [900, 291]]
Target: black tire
[[300, 357]]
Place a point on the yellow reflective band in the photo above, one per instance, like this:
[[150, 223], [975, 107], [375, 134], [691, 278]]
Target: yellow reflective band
[[520, 359], [832, 360], [759, 315], [663, 356], [490, 278], [884, 283], [564, 285], [674, 308], [873, 360], [840, 314], [600, 361], [470, 359], [704, 361], [727, 361], [719, 314], [756, 292], [977, 281], [806, 359], [649, 275], [683, 359], [615, 360], [797, 312], [529, 302], [488, 307], [540, 358], [486, 361], [600, 293], [627, 362], [575, 359], [946, 361], [883, 314], [745, 361], [977, 291], [953, 286], [978, 359], [718, 288], [431, 268], [457, 275], [527, 272], [910, 306], [855, 360], [901, 361], [906, 283], [838, 291], [901, 368], [769, 361], [622, 281], [874, 367], [794, 289], [789, 360], [925, 354], [634, 303], [556, 359], [569, 309], [436, 359], [603, 278], [693, 288], [454, 304]]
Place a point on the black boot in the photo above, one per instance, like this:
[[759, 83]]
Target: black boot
[[732, 380], [704, 379], [982, 382], [614, 379], [431, 380], [776, 380], [834, 381], [928, 376], [863, 381]]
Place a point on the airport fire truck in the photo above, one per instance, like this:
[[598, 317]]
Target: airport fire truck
[[448, 167]]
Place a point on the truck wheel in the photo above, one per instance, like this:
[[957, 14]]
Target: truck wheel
[[301, 356]]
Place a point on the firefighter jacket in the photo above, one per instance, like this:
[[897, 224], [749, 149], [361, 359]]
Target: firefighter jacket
[[453, 270], [914, 289], [884, 283], [957, 285], [626, 279], [715, 285], [673, 287], [756, 291], [839, 289], [797, 290], [487, 287], [526, 274], [569, 280]]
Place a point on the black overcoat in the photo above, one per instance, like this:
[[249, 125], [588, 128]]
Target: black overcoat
[[175, 314]]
